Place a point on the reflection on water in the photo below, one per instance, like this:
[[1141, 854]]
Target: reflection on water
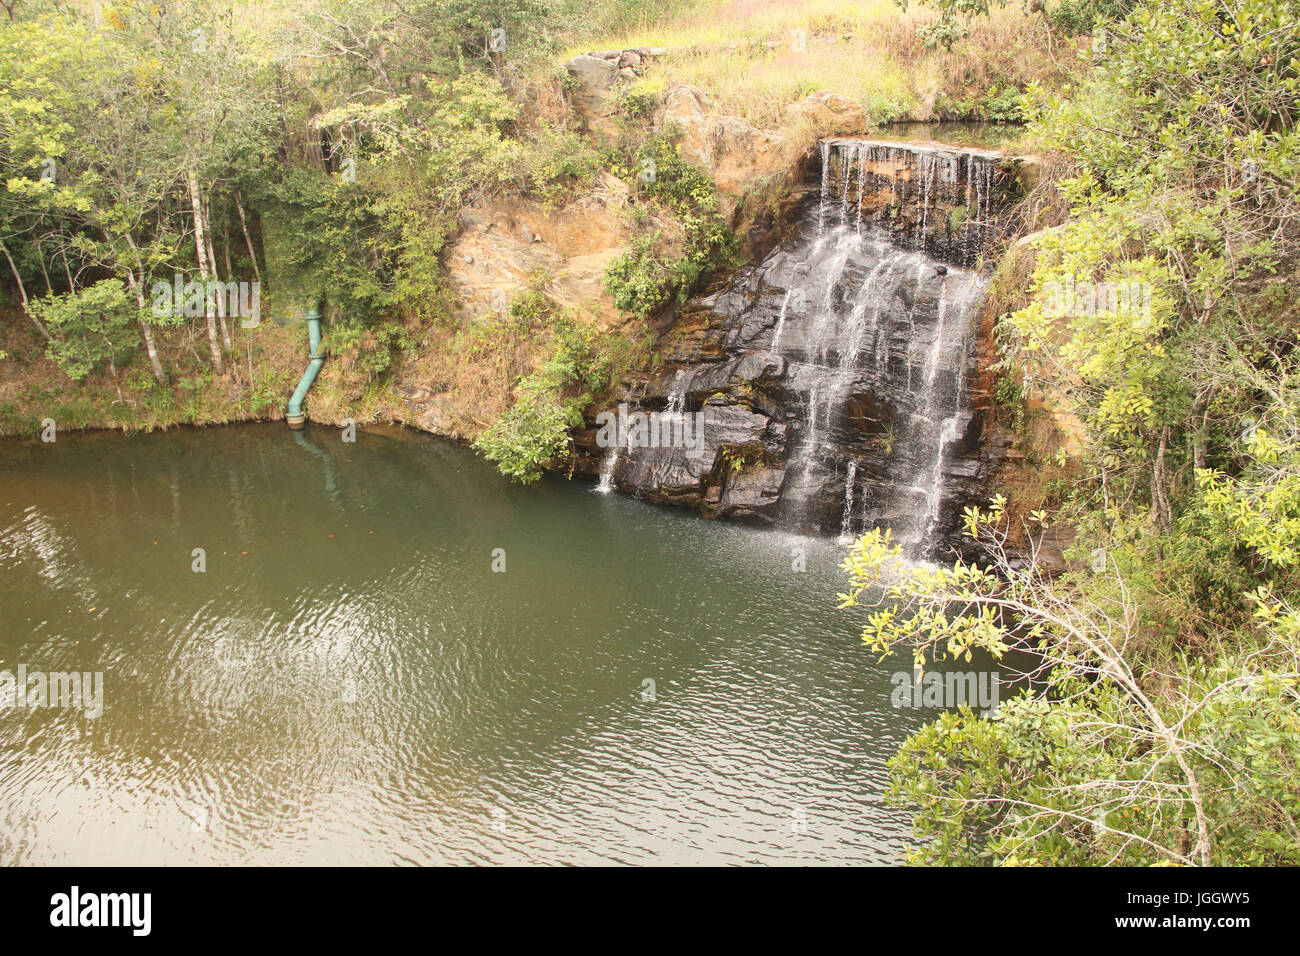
[[350, 681], [973, 135]]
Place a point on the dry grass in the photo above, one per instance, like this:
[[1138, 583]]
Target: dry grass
[[757, 56]]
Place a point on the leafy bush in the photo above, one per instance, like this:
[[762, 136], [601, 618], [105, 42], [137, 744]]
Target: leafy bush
[[1099, 767], [92, 326], [535, 430], [1003, 105], [640, 281], [1075, 17], [530, 434], [638, 99]]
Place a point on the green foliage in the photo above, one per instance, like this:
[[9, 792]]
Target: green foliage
[[643, 280], [953, 22], [267, 393], [1007, 391], [1096, 767], [577, 361], [561, 162], [1027, 788], [1085, 17], [379, 231], [638, 279], [1183, 110], [740, 457], [334, 229], [1070, 17], [1260, 507], [639, 98], [1165, 726], [1003, 105], [372, 351], [534, 431], [92, 326]]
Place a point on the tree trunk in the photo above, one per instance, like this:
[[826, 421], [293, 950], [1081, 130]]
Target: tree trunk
[[221, 299], [1159, 497], [67, 269], [154, 363], [45, 273], [22, 292], [225, 247], [200, 245], [243, 224]]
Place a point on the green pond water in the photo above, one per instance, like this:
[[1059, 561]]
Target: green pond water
[[350, 681]]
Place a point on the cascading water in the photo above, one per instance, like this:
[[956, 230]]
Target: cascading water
[[607, 465], [928, 197], [676, 404], [846, 521], [915, 315], [832, 376]]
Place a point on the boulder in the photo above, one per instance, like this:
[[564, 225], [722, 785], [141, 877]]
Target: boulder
[[733, 152], [830, 114], [753, 492], [594, 77], [759, 367]]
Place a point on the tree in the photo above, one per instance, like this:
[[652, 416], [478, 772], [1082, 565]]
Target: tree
[[1103, 765], [87, 157], [1070, 17], [89, 327]]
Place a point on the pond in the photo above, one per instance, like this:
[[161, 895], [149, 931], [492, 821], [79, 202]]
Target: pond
[[318, 652]]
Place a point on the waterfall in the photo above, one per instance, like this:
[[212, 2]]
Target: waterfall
[[934, 489], [607, 466], [869, 290], [676, 404], [826, 171], [877, 295], [846, 522], [844, 355], [780, 321], [931, 198]]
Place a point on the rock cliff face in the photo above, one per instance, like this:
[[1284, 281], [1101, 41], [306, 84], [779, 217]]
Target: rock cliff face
[[505, 242], [836, 381]]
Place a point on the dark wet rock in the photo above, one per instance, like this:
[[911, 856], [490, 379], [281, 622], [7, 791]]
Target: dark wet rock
[[837, 378], [949, 202]]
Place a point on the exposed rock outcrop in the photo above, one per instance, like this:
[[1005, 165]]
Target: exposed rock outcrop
[[830, 114], [837, 380], [503, 244], [735, 154]]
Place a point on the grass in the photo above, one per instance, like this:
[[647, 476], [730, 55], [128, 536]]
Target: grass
[[755, 57]]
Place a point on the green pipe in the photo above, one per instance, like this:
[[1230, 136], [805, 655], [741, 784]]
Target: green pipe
[[295, 415]]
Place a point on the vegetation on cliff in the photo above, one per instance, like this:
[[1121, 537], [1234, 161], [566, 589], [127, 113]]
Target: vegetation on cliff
[[331, 148]]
